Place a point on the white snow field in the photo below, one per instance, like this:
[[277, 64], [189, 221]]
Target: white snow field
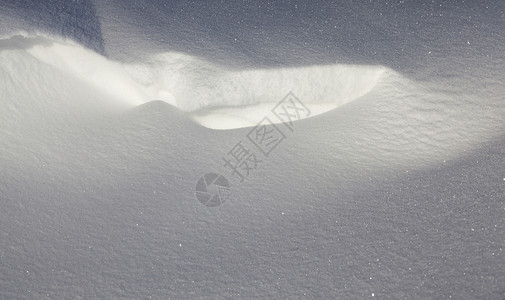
[[213, 96], [70, 80], [111, 111]]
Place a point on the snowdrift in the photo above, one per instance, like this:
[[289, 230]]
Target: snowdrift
[[212, 96]]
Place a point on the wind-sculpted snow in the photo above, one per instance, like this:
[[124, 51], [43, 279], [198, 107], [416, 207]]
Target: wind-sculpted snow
[[76, 20], [62, 79], [389, 189], [212, 95], [222, 98]]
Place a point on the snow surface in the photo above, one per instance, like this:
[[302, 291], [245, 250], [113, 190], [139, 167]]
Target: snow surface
[[394, 188], [242, 98]]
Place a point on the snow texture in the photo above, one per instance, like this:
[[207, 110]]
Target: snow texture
[[394, 187]]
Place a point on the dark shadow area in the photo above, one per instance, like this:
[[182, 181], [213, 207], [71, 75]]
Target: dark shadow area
[[71, 19], [21, 42], [403, 35]]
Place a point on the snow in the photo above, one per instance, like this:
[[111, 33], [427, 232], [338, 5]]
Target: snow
[[392, 188], [198, 87]]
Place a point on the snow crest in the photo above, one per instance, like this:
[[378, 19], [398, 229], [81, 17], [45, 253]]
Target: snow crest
[[211, 95]]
